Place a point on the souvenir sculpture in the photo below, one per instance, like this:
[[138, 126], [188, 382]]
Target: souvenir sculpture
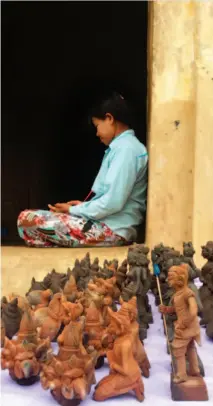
[[187, 331], [121, 274], [125, 374], [50, 319], [2, 333], [129, 309], [39, 298], [36, 285], [137, 284], [23, 356], [11, 316], [70, 290], [70, 374], [94, 330], [187, 258], [206, 291], [95, 268], [22, 301], [105, 288], [55, 281]]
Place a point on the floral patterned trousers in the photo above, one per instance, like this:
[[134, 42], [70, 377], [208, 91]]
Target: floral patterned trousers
[[43, 228]]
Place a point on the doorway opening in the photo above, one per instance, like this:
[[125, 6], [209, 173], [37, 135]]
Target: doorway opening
[[55, 58]]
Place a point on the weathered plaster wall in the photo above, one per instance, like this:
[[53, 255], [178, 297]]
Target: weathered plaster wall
[[181, 123]]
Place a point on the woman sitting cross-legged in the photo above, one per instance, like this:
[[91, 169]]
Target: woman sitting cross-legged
[[111, 217]]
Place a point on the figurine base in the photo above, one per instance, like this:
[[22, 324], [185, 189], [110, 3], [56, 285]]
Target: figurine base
[[194, 389], [63, 401], [100, 362], [25, 381]]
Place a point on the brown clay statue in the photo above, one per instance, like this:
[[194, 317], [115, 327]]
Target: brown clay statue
[[125, 374], [95, 267], [70, 374], [129, 309], [2, 333], [187, 332], [36, 285], [39, 298], [94, 331], [23, 356], [11, 316], [50, 319], [206, 291], [55, 281], [70, 290]]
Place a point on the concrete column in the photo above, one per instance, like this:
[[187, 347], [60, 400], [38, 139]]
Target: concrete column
[[202, 229], [171, 123]]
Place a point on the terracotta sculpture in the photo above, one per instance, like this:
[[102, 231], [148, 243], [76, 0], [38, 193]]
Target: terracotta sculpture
[[206, 291], [82, 274], [105, 288], [187, 331], [70, 290], [2, 332], [94, 330], [95, 267], [129, 309], [22, 301], [36, 285], [125, 374], [23, 356], [55, 281], [39, 298], [137, 284], [11, 316], [70, 374], [121, 274], [50, 319]]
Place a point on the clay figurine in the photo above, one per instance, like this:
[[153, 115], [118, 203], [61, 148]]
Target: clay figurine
[[137, 284], [39, 298], [187, 331], [125, 374], [70, 290], [187, 258], [50, 319], [22, 301], [95, 267], [121, 274], [55, 281], [70, 374], [36, 285], [129, 309], [2, 333], [206, 291], [94, 331], [11, 316], [23, 356]]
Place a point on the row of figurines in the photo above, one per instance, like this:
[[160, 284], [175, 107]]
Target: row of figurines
[[85, 341], [131, 278]]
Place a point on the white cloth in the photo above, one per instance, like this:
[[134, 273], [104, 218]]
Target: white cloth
[[157, 386]]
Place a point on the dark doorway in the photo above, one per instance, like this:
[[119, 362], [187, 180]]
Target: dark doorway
[[55, 56]]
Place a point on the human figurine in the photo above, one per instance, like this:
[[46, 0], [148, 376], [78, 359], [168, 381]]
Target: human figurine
[[95, 267], [129, 309], [121, 273], [187, 258], [23, 356], [137, 284], [125, 373], [187, 329], [206, 291], [70, 374], [11, 316]]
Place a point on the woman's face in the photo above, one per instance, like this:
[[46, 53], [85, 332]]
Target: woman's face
[[105, 128]]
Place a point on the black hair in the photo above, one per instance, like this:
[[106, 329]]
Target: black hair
[[116, 105]]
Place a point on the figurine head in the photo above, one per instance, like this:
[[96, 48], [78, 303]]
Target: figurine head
[[188, 249], [207, 250], [178, 276], [119, 323], [111, 117]]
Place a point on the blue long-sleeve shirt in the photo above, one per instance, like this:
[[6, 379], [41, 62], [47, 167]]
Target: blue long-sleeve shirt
[[120, 187]]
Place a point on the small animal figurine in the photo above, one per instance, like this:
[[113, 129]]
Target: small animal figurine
[[70, 290], [55, 281], [187, 332], [70, 374], [23, 356], [36, 285], [125, 373], [39, 298], [50, 319], [22, 301], [94, 331], [11, 316]]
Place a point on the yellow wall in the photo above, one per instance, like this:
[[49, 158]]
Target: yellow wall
[[180, 195]]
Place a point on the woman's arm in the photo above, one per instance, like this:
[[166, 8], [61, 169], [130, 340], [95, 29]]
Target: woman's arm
[[120, 179]]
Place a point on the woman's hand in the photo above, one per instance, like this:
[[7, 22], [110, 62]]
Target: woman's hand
[[59, 208], [74, 202]]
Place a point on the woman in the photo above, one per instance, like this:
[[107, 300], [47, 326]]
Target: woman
[[111, 217]]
